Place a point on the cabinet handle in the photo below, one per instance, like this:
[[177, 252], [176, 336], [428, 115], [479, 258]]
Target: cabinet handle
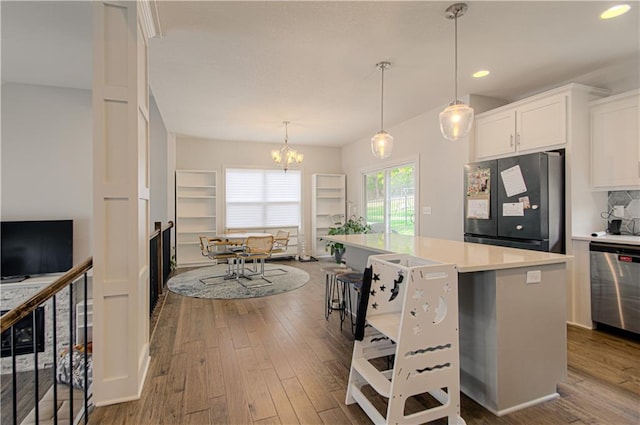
[[517, 139], [511, 140]]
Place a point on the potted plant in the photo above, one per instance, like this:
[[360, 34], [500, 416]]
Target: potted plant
[[352, 226]]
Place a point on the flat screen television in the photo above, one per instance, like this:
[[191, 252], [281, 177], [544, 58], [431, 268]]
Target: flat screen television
[[35, 247]]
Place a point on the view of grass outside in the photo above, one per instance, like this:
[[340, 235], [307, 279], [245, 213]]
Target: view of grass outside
[[398, 200]]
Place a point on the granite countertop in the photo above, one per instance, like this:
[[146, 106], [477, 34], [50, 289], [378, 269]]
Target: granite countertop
[[621, 239], [469, 257]]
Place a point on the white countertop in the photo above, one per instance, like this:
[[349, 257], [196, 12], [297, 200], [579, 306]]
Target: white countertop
[[469, 257], [623, 239]]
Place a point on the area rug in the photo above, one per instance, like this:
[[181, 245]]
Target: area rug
[[199, 283]]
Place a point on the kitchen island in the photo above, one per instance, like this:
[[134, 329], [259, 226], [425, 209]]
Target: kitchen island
[[512, 314]]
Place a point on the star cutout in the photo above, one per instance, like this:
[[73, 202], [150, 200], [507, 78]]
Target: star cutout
[[382, 288], [376, 276], [373, 292], [447, 288], [418, 294], [417, 329], [374, 306], [425, 307]]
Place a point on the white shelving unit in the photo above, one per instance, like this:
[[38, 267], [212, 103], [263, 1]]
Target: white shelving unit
[[80, 321], [196, 213], [328, 205]]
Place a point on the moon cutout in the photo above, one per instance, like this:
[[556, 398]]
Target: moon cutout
[[441, 311]]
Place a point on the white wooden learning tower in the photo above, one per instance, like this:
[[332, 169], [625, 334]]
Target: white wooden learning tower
[[412, 313]]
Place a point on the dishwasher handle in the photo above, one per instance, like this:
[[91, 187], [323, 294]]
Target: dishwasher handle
[[627, 250]]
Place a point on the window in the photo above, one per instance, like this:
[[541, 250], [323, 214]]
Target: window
[[389, 199], [262, 198]]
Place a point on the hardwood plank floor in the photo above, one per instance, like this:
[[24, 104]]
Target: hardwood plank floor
[[275, 360]]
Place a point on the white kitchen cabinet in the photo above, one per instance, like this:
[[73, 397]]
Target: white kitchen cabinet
[[328, 204], [615, 142], [535, 124], [196, 211], [495, 133]]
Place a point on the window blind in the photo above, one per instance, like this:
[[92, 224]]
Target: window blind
[[262, 198]]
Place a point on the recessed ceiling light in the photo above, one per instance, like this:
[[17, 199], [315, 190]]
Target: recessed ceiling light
[[615, 11], [481, 73]]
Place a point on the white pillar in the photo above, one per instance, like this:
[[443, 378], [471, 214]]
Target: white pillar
[[120, 201]]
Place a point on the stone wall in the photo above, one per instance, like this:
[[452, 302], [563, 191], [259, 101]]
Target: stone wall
[[12, 294]]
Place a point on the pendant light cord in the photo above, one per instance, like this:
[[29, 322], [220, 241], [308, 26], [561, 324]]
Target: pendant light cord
[[382, 67], [286, 131], [455, 83]]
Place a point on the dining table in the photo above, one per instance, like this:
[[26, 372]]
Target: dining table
[[238, 240]]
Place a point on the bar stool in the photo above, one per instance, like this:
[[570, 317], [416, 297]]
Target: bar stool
[[333, 295], [350, 279]]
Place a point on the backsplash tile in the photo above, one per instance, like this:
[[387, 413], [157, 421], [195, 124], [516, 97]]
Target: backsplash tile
[[631, 201]]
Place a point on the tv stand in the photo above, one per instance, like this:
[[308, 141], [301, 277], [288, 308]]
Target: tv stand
[[14, 279], [31, 280]]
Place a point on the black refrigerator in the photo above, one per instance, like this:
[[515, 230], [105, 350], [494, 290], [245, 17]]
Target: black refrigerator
[[516, 202]]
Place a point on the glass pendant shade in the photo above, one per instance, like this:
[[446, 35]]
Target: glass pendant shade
[[382, 142], [382, 145], [456, 120]]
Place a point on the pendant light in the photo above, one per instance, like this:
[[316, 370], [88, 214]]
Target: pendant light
[[382, 142], [456, 119], [286, 157]]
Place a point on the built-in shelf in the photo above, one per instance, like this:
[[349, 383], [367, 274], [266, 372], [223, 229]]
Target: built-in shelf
[[328, 203], [80, 322], [196, 213]]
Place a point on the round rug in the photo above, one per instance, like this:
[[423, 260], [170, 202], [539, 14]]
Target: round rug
[[209, 282]]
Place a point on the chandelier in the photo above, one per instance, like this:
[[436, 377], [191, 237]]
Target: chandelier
[[285, 157]]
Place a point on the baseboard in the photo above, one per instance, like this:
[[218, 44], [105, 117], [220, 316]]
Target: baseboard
[[525, 405], [580, 325]]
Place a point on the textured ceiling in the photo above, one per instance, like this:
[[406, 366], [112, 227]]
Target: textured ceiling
[[236, 70]]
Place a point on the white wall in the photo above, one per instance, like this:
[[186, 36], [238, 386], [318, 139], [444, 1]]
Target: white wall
[[159, 167], [47, 146], [203, 154], [441, 162], [47, 158]]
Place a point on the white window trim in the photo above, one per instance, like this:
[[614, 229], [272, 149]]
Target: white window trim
[[381, 165]]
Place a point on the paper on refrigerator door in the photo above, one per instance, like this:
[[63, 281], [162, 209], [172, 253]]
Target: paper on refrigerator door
[[478, 208], [512, 209], [513, 181]]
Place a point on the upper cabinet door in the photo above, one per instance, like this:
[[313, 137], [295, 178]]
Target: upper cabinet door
[[495, 134], [615, 140], [542, 124]]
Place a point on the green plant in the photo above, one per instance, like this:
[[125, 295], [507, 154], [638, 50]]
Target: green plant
[[352, 226], [173, 264]]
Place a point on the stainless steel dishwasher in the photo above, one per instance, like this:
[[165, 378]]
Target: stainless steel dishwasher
[[615, 285]]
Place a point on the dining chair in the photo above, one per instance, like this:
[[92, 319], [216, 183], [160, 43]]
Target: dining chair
[[280, 242], [216, 249], [256, 248]]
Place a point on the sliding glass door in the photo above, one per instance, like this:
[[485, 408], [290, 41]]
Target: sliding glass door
[[390, 199]]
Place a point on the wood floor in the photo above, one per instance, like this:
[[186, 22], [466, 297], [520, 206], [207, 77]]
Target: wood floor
[[275, 360], [25, 388]]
